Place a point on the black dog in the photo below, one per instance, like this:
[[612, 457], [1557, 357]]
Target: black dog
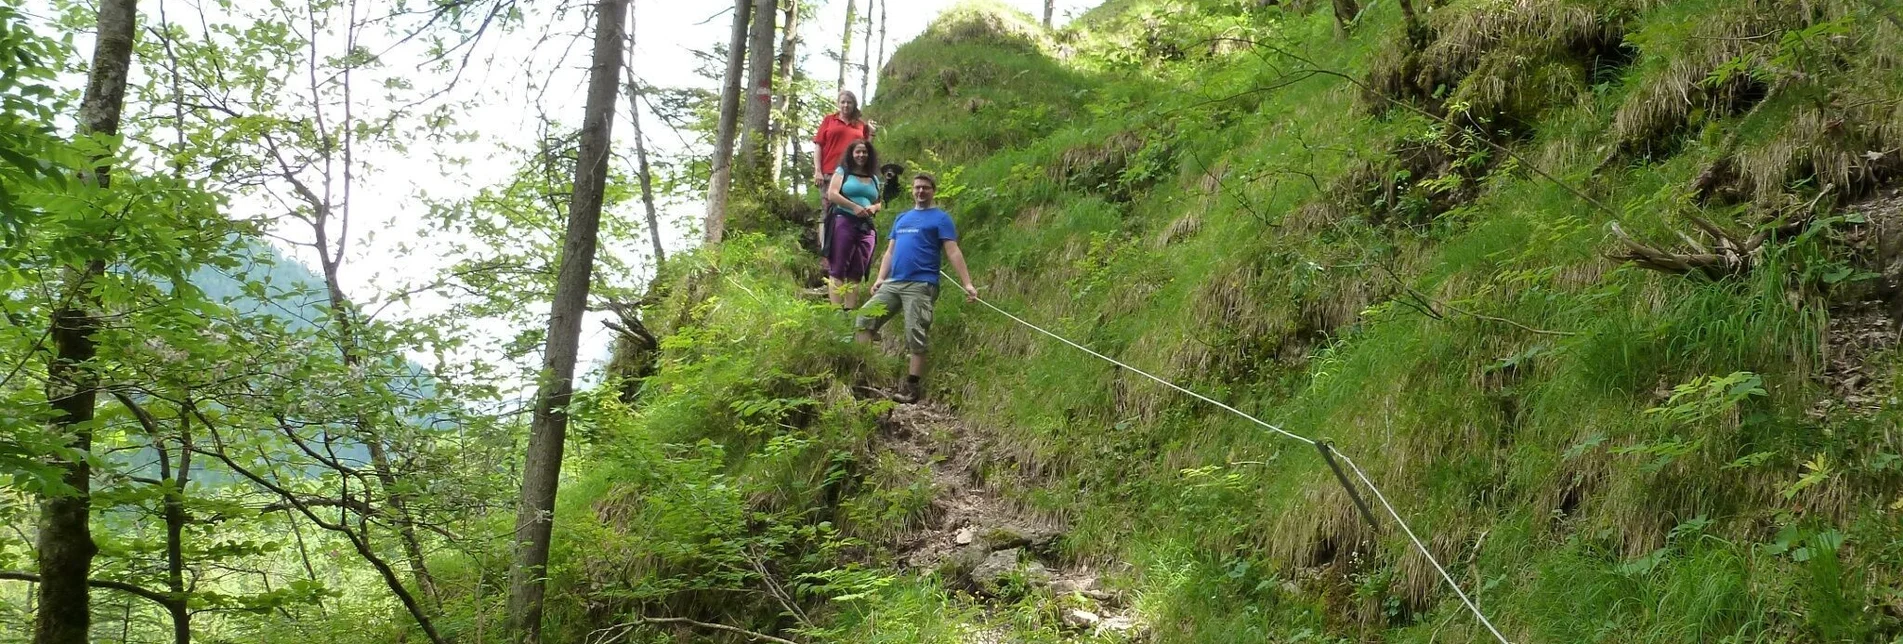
[[890, 173]]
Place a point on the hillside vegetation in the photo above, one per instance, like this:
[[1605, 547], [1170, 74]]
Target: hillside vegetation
[[1603, 295]]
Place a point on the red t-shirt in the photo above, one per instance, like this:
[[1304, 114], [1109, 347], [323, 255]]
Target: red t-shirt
[[832, 138]]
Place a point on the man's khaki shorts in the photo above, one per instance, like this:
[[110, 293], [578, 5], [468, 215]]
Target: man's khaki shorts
[[915, 299]]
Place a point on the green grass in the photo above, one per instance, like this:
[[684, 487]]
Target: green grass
[[1082, 167]]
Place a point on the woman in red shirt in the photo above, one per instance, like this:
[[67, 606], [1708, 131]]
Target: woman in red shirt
[[836, 131]]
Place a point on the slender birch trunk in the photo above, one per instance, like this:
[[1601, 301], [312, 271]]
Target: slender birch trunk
[[865, 58]]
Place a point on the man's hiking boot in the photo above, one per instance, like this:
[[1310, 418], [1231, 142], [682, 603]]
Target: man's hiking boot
[[909, 393]]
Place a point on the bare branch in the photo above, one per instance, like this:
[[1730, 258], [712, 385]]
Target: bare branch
[[156, 596]]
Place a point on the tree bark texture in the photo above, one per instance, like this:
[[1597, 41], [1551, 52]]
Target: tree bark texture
[[1050, 7], [721, 177], [865, 58], [541, 470], [789, 46], [641, 150], [845, 45], [759, 110], [879, 60], [175, 520], [65, 548]]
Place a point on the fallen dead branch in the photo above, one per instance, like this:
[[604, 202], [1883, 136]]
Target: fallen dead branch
[[615, 633], [1728, 254]]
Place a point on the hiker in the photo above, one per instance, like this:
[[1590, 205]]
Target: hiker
[[852, 200], [908, 278], [836, 131]]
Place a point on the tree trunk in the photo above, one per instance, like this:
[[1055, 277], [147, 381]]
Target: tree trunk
[[65, 548], [175, 480], [405, 519], [845, 46], [865, 58], [175, 520], [1050, 7], [1416, 33], [541, 470], [789, 45], [1344, 14], [641, 150], [879, 60], [330, 261], [753, 136], [721, 175]]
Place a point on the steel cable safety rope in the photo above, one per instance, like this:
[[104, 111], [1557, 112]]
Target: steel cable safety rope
[[1385, 505]]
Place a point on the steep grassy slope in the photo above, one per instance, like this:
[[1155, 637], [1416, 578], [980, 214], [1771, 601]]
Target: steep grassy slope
[[1355, 270], [1598, 451]]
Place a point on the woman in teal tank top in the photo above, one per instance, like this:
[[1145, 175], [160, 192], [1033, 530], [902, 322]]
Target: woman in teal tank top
[[853, 200]]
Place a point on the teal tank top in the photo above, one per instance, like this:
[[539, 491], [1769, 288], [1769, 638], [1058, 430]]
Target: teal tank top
[[861, 191]]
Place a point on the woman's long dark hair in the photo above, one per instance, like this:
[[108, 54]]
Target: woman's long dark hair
[[868, 169]]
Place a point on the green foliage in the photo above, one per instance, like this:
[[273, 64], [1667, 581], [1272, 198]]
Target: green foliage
[[1708, 396], [274, 428], [1150, 181], [32, 158]]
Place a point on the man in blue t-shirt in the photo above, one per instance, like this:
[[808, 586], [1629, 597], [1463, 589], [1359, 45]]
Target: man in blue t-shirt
[[908, 277]]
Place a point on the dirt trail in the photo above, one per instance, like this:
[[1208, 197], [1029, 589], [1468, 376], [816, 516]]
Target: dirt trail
[[1865, 326], [980, 542]]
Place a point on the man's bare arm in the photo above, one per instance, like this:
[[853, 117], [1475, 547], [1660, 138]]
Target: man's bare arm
[[885, 268], [957, 258]]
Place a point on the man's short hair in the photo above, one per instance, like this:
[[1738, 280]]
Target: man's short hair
[[927, 178]]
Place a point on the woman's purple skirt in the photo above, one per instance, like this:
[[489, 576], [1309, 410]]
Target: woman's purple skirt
[[850, 257]]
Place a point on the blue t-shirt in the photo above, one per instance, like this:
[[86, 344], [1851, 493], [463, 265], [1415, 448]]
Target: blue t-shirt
[[917, 236]]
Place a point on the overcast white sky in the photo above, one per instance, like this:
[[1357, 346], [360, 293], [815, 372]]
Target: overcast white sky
[[666, 33], [544, 50]]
